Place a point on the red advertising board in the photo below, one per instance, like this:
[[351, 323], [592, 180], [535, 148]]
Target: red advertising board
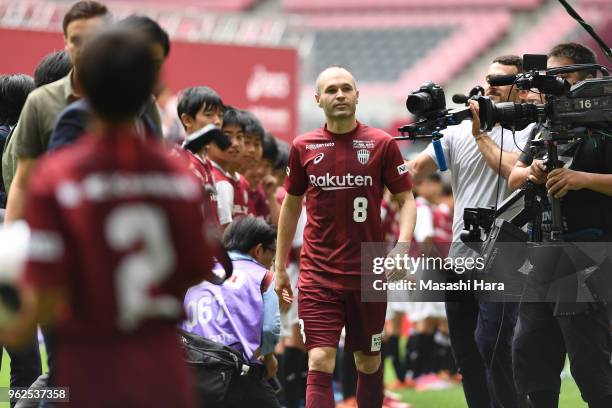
[[261, 80]]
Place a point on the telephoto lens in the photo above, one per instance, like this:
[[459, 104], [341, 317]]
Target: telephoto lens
[[507, 114]]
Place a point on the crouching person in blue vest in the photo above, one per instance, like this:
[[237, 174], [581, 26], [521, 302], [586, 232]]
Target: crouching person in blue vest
[[242, 313]]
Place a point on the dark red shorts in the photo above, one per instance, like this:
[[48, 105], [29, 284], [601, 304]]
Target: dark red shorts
[[324, 311]]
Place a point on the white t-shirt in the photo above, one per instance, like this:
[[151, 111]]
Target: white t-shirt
[[474, 183], [225, 201], [424, 226]]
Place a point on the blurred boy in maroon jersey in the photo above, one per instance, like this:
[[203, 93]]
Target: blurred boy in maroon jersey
[[342, 168], [253, 142], [197, 108], [232, 193], [262, 184], [117, 239]]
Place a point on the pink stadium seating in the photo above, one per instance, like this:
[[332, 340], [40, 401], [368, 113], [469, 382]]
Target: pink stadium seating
[[586, 3], [439, 63], [203, 5], [377, 5]]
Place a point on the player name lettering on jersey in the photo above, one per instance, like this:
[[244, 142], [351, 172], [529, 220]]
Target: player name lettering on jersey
[[363, 144], [333, 182], [105, 186], [319, 145]]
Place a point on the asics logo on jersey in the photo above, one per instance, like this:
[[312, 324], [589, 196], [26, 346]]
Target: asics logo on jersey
[[332, 182], [318, 158]]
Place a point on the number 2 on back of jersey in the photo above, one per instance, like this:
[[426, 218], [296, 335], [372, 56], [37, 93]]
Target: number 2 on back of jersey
[[360, 209], [138, 271]]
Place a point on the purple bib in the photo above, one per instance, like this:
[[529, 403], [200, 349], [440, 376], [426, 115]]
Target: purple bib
[[232, 313]]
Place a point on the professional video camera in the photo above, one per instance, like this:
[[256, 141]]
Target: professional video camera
[[569, 114], [567, 109]]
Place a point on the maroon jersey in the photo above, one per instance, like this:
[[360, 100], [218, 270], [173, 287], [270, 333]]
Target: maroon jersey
[[258, 203], [343, 177], [443, 228], [232, 194], [210, 195], [117, 223], [244, 187], [202, 169]]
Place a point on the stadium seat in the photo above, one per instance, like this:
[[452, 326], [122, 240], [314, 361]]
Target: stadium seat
[[375, 55], [204, 5], [378, 5]]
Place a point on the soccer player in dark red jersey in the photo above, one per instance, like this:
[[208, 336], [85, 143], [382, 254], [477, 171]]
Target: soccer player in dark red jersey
[[117, 239], [342, 168]]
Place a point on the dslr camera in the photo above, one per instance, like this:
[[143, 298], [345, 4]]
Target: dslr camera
[[428, 104]]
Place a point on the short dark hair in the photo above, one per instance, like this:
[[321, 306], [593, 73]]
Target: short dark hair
[[52, 67], [233, 116], [282, 158], [434, 178], [252, 125], [148, 27], [192, 99], [118, 74], [14, 90], [447, 190], [269, 148], [578, 54], [513, 60], [83, 10], [246, 233]]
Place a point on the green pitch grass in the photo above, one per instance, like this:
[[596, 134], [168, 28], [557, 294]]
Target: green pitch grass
[[5, 371], [452, 398]]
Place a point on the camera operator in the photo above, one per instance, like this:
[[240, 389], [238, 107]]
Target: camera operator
[[563, 54], [481, 332], [542, 339]]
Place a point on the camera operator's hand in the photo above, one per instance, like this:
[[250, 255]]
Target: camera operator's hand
[[561, 181], [538, 172], [475, 118]]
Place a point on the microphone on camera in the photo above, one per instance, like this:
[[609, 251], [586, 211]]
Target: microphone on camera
[[460, 99], [501, 80], [475, 91]]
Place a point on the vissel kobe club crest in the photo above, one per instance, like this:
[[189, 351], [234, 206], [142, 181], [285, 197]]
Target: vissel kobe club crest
[[363, 155]]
